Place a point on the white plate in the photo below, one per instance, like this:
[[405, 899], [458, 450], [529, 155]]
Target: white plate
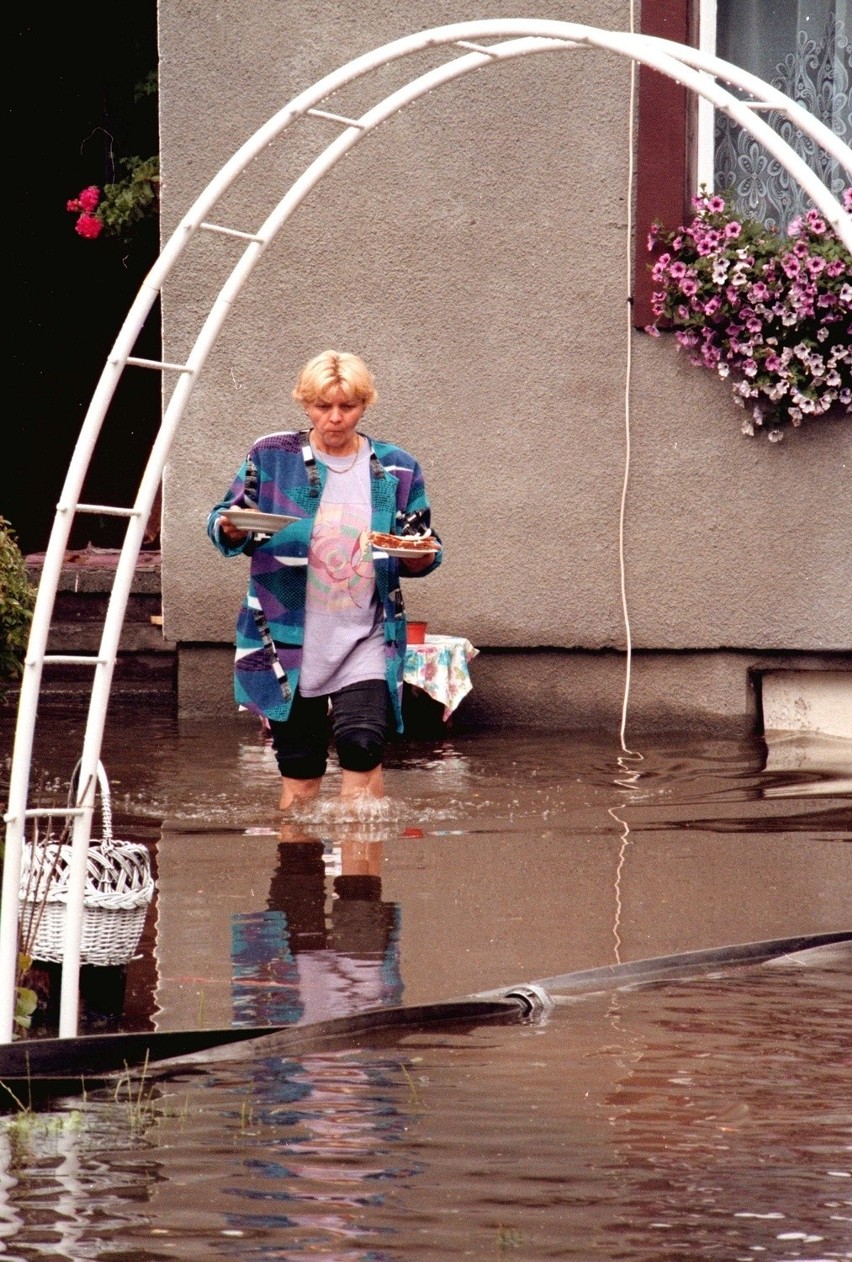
[[252, 519]]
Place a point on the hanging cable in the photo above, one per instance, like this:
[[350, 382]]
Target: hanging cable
[[631, 122], [631, 774]]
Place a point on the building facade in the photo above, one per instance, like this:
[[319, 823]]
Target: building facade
[[484, 250]]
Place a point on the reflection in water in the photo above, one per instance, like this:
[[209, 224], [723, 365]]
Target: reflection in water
[[674, 1121], [821, 765], [627, 779], [705, 1120], [316, 953]]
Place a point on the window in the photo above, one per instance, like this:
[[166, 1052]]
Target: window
[[803, 48]]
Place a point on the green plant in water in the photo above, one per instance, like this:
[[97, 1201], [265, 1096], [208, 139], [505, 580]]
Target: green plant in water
[[414, 1101], [35, 897], [26, 999], [141, 1108], [247, 1114], [508, 1238], [26, 1125], [17, 601]]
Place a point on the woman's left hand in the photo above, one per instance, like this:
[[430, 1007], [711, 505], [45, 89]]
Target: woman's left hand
[[417, 564]]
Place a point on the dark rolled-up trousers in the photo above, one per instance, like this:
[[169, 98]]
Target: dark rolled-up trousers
[[358, 719]]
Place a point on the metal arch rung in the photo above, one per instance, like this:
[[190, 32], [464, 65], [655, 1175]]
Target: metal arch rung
[[159, 364], [336, 118], [106, 510], [763, 105], [47, 812], [492, 49], [230, 232], [475, 48]]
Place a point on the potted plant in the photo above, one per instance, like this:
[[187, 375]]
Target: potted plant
[[771, 313]]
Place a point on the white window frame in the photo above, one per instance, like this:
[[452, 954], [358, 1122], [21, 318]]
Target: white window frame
[[705, 158]]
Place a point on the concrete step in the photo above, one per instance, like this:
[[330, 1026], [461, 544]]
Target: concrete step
[[146, 662]]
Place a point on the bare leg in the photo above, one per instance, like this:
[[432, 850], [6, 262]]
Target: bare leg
[[360, 858], [358, 783], [298, 791]]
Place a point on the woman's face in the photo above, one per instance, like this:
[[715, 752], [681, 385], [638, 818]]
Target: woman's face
[[334, 421]]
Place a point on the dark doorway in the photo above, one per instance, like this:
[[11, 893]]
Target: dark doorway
[[77, 109]]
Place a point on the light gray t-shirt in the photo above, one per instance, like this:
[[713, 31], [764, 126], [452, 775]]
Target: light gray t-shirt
[[344, 639]]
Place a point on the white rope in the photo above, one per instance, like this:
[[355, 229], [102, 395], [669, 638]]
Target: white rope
[[631, 775], [631, 117]]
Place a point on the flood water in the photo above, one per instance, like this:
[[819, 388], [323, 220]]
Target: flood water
[[704, 1116]]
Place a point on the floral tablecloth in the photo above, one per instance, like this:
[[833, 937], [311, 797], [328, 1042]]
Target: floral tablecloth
[[440, 668]]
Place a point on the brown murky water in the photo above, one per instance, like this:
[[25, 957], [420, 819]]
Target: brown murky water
[[694, 1119]]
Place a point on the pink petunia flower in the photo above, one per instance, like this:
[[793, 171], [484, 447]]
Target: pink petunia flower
[[741, 294]]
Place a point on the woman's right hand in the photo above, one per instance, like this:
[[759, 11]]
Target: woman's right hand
[[229, 531]]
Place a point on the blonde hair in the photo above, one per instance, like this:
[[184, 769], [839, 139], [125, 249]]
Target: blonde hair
[[336, 369]]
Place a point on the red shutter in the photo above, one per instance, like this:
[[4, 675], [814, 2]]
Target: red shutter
[[662, 184]]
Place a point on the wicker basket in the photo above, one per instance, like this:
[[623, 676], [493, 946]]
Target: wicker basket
[[119, 888]]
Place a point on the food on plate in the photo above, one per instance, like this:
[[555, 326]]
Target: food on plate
[[406, 543]]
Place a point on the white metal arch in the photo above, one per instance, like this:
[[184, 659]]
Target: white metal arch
[[699, 72]]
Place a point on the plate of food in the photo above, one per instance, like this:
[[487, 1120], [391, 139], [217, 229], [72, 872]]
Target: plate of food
[[254, 520], [404, 545]]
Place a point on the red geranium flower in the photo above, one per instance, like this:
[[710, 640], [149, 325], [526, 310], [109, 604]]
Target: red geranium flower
[[89, 198], [88, 226]]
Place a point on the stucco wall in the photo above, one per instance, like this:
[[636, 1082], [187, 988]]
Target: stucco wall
[[474, 250]]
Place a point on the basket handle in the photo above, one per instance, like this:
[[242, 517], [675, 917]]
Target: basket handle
[[106, 800]]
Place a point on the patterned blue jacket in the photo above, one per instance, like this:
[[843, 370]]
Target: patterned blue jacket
[[280, 475]]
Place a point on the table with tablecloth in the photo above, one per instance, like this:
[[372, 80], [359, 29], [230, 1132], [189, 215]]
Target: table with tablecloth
[[439, 668]]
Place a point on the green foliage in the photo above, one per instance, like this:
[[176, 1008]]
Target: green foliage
[[17, 601], [148, 86], [117, 209], [133, 198], [26, 1000]]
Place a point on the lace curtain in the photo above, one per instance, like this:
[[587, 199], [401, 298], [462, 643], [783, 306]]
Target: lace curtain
[[803, 48]]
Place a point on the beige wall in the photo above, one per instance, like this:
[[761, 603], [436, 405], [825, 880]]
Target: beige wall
[[474, 250]]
